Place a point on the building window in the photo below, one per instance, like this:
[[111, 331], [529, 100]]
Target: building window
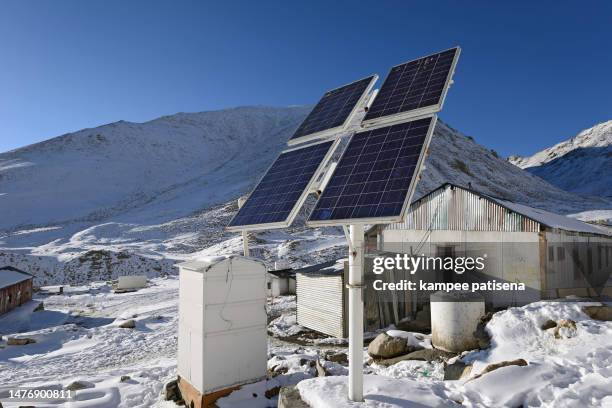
[[560, 254], [269, 285], [551, 254]]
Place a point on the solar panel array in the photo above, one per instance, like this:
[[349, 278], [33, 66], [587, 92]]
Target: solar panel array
[[334, 108], [378, 170], [374, 176], [414, 85], [282, 187]]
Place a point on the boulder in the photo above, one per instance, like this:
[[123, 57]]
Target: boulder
[[549, 324], [128, 324], [40, 307], [272, 392], [385, 346], [481, 334], [79, 385], [125, 378], [457, 371], [340, 358], [289, 397], [492, 367], [13, 341], [419, 355], [603, 313], [172, 391], [566, 328]]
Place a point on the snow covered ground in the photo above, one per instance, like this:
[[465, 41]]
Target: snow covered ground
[[571, 371], [78, 339]]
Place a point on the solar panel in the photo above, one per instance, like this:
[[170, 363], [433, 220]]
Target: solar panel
[[415, 88], [333, 111], [283, 189], [376, 175]]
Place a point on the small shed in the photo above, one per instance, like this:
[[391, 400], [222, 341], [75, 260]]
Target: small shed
[[222, 340], [320, 302], [281, 282], [322, 299], [15, 288]]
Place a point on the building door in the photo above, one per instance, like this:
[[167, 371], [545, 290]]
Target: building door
[[446, 252]]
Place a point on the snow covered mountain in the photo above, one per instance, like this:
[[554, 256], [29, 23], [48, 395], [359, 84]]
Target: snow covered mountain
[[136, 197], [582, 164]]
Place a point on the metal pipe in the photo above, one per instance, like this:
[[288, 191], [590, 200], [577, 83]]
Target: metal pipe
[[355, 300], [245, 243]]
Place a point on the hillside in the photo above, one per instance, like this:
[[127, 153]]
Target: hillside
[[582, 164], [127, 197]]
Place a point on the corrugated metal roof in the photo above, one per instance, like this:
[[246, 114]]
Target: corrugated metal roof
[[458, 208], [10, 276], [550, 219]]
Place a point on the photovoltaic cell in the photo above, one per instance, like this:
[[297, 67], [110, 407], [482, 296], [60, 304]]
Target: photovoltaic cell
[[334, 108], [374, 176], [282, 187], [414, 85]]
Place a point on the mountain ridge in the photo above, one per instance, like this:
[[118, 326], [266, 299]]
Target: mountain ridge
[[581, 164]]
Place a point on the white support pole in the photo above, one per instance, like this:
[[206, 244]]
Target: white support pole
[[355, 288], [245, 243]]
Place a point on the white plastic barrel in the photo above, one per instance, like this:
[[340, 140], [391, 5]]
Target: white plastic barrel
[[454, 318]]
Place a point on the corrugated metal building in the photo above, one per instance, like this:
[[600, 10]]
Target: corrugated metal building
[[552, 254], [15, 288]]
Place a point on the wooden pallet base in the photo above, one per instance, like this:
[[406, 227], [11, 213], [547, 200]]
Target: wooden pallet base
[[195, 399]]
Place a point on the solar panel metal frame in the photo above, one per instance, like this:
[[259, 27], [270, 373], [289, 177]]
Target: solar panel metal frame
[[300, 202], [411, 188], [342, 128], [419, 113]]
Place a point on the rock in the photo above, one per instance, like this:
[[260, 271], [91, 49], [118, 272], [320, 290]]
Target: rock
[[128, 324], [457, 371], [481, 334], [385, 346], [566, 328], [125, 378], [320, 369], [549, 324], [340, 358], [492, 367], [40, 307], [306, 361], [272, 392], [79, 385], [289, 397], [172, 391], [13, 341], [603, 313], [419, 355]]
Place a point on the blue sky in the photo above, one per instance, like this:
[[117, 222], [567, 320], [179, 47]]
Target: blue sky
[[531, 73]]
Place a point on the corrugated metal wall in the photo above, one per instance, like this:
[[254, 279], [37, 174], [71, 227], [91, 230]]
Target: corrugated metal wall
[[320, 304], [461, 210]]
